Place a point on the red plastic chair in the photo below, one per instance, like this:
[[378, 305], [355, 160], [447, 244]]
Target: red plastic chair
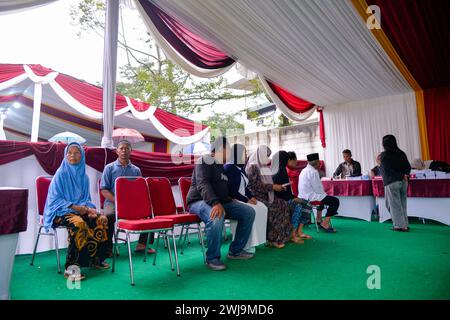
[[185, 183], [164, 206], [133, 216], [102, 204], [42, 184]]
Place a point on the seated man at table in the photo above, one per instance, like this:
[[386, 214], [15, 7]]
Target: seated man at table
[[310, 188], [209, 198], [375, 171], [348, 168], [122, 167]]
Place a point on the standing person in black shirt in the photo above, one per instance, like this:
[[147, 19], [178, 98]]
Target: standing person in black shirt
[[395, 169]]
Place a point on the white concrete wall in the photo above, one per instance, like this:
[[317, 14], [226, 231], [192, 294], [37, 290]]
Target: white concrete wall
[[302, 138]]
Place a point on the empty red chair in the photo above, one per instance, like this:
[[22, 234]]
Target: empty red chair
[[42, 184], [134, 216], [184, 183], [164, 206]]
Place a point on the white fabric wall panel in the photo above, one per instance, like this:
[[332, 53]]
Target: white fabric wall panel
[[360, 126]]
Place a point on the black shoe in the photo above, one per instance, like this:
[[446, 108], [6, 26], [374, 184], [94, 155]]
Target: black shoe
[[216, 265], [244, 255], [329, 229], [400, 229]]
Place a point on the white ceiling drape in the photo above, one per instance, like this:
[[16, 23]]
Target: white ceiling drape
[[361, 125], [173, 55], [322, 51], [283, 108]]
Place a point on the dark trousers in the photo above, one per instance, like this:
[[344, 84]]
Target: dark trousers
[[332, 203], [143, 238]]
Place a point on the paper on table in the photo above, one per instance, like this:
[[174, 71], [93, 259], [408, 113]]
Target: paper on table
[[441, 175], [354, 178]]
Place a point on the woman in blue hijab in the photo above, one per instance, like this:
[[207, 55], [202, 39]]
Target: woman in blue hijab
[[69, 204]]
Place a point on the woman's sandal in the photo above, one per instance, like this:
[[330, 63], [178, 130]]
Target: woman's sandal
[[102, 266], [400, 229], [141, 249], [297, 240], [305, 236], [74, 277], [275, 245]]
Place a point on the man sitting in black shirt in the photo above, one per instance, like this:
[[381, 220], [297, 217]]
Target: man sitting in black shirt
[[375, 171], [209, 198], [348, 168]]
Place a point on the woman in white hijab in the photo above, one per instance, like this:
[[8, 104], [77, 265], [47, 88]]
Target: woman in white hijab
[[262, 187]]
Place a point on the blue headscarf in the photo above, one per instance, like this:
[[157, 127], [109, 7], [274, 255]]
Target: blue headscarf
[[69, 186]]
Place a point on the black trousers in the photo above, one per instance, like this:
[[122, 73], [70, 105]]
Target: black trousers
[[143, 238], [333, 205]]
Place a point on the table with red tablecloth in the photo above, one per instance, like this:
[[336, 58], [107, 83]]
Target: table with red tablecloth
[[429, 199], [13, 219], [355, 197]]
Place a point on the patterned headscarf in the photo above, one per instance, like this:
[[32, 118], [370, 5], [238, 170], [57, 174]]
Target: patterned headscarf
[[260, 158]]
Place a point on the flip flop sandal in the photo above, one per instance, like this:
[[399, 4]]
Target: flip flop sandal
[[275, 245], [297, 240], [102, 266], [139, 250], [305, 236], [77, 277]]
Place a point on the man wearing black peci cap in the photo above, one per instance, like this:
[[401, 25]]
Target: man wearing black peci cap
[[310, 188]]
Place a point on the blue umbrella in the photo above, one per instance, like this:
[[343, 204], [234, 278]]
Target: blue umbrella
[[197, 148], [67, 137]]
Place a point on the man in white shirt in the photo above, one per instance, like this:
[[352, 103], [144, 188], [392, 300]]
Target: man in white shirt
[[310, 188]]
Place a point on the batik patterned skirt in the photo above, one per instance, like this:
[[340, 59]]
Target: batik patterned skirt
[[87, 240]]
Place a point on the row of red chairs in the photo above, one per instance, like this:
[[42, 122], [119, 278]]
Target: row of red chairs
[[143, 205]]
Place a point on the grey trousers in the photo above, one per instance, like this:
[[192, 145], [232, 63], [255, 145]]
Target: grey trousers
[[396, 203]]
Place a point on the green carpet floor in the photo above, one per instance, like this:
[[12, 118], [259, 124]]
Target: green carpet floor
[[414, 265]]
